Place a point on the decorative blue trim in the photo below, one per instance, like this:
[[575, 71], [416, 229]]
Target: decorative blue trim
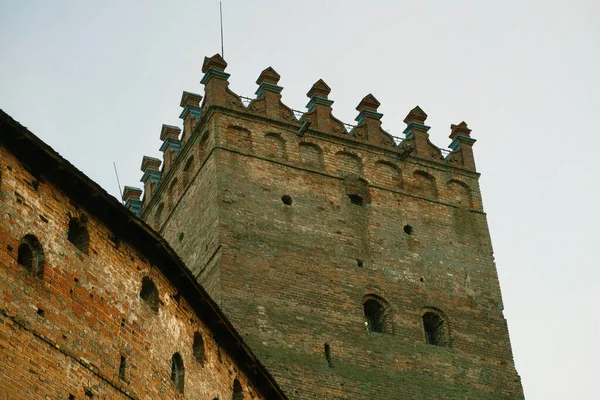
[[414, 126], [213, 72], [367, 113], [194, 110], [267, 86], [135, 206], [318, 100], [172, 144], [152, 174], [455, 145]]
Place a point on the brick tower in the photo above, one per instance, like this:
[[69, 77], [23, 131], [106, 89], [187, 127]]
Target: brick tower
[[355, 265]]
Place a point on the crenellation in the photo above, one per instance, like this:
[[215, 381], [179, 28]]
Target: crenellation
[[320, 113], [150, 178], [268, 104], [170, 147], [131, 197], [268, 98], [369, 123], [190, 113]]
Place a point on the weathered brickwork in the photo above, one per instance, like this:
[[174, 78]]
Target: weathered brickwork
[[353, 266], [81, 323]]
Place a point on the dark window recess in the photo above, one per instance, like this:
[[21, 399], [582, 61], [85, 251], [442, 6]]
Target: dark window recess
[[89, 393], [408, 229], [149, 294], [31, 255], [436, 331], [360, 263], [287, 200], [356, 199], [177, 371], [78, 234], [377, 315], [328, 355], [199, 348], [122, 368], [238, 393], [71, 397]]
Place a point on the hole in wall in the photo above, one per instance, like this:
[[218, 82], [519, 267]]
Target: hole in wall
[[31, 255], [328, 355], [422, 280], [78, 234], [356, 199], [238, 393], [40, 312], [408, 229], [198, 348], [9, 248], [177, 372], [177, 297], [122, 368], [436, 332], [180, 237], [122, 322], [360, 263], [149, 293], [287, 200]]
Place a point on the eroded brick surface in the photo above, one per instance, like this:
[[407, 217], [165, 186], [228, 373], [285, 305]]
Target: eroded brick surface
[[65, 332], [293, 278]]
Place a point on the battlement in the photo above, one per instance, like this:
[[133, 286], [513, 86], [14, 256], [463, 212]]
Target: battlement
[[317, 121]]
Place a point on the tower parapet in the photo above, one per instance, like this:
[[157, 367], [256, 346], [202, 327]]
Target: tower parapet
[[190, 113], [318, 120]]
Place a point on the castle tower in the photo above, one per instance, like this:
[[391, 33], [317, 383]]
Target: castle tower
[[355, 265]]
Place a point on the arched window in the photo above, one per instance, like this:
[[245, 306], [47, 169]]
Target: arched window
[[425, 183], [158, 214], [198, 348], [436, 328], [238, 393], [177, 371], [377, 314], [78, 234], [187, 171], [173, 193], [31, 255], [149, 294]]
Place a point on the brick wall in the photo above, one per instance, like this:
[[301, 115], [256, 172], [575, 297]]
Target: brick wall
[[293, 278], [80, 329]]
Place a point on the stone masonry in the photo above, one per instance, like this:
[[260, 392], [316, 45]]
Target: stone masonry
[[356, 265]]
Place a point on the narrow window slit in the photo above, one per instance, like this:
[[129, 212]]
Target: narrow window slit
[[328, 355], [122, 368]]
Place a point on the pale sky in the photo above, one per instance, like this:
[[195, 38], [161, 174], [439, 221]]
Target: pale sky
[[95, 80]]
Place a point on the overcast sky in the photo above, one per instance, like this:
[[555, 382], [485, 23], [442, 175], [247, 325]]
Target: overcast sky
[[95, 81]]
